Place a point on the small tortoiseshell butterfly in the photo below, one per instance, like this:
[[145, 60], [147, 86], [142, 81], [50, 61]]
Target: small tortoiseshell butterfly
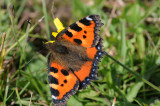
[[73, 61]]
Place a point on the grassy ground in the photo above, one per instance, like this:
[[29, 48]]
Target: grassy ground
[[131, 34]]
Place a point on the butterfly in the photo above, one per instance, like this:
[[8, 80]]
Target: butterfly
[[74, 57]]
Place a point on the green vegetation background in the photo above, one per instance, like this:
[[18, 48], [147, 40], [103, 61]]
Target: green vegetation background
[[131, 34]]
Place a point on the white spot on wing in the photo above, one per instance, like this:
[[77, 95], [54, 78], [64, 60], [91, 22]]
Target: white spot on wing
[[53, 97], [88, 18]]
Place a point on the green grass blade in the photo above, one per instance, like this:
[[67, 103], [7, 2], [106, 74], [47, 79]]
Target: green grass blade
[[133, 91], [6, 91], [123, 42], [137, 75], [46, 18], [23, 37], [24, 88], [18, 96], [148, 12], [20, 10], [10, 95]]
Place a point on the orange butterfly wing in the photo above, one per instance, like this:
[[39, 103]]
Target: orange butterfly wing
[[88, 71], [63, 83], [84, 32]]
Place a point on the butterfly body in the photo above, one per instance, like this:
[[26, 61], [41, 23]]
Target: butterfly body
[[69, 55], [74, 58]]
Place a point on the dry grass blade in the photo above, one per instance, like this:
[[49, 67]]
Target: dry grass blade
[[114, 101], [150, 39], [30, 102], [2, 53], [106, 32], [2, 44]]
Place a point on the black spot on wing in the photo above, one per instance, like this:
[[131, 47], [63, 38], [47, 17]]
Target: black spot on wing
[[64, 72], [85, 22], [75, 27], [78, 41], [52, 80], [54, 91], [69, 34], [84, 36], [65, 81], [85, 32], [52, 69], [62, 85]]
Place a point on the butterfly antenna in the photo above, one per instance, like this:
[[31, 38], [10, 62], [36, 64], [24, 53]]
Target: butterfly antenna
[[31, 59]]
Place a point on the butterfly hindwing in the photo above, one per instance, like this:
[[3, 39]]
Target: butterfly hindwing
[[88, 71], [63, 83], [84, 32]]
